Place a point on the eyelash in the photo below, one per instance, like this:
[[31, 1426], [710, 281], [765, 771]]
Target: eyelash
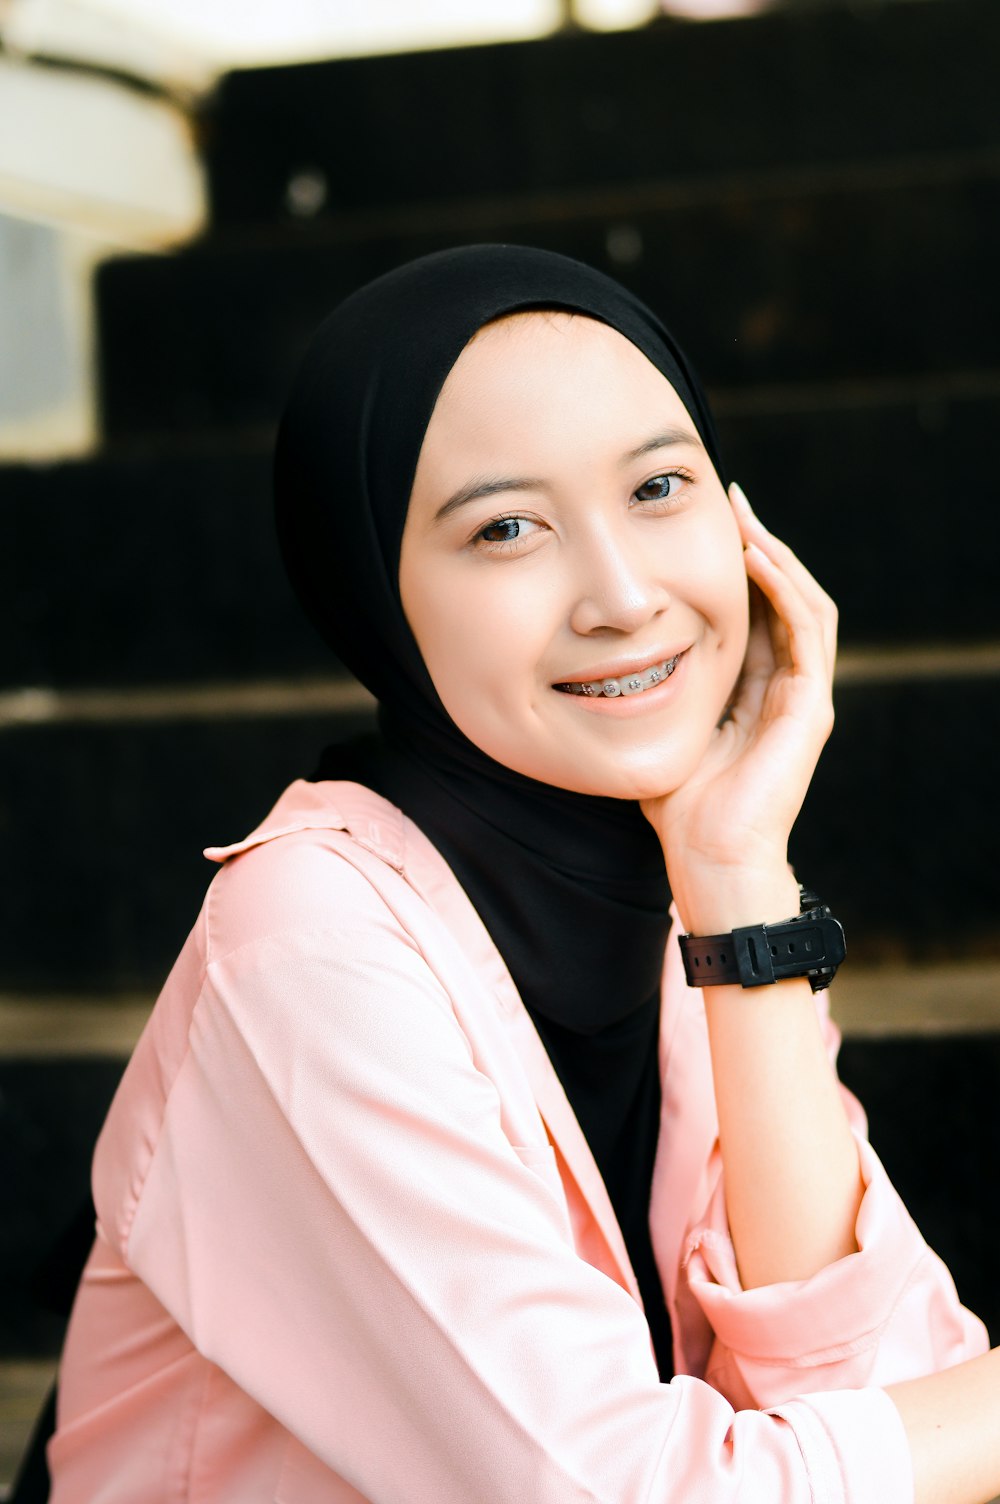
[[511, 545], [677, 474]]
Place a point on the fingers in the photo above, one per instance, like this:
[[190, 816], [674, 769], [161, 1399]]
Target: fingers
[[754, 531], [759, 662], [797, 635], [760, 659], [802, 605]]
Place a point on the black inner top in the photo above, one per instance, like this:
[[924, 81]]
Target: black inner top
[[571, 887]]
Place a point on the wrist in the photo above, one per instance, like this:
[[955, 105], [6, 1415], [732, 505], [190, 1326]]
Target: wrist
[[716, 903]]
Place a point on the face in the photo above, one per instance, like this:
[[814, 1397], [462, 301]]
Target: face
[[568, 536]]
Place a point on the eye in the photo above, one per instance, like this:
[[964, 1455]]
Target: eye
[[662, 487], [505, 533]]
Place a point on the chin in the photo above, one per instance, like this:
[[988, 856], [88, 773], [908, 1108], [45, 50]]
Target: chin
[[635, 786], [618, 782], [640, 771]]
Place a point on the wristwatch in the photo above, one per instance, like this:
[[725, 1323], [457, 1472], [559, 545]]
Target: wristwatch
[[809, 945]]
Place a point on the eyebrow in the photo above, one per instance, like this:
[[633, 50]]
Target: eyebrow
[[664, 440], [489, 486], [493, 485]]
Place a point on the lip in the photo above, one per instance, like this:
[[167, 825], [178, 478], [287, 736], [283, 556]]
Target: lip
[[619, 668], [625, 707]]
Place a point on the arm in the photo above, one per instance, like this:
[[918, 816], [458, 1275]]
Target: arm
[[887, 1313], [793, 1186], [952, 1422], [793, 1181]]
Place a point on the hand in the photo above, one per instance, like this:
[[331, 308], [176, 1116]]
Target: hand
[[725, 831]]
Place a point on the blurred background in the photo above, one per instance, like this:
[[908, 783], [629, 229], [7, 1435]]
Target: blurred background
[[808, 191]]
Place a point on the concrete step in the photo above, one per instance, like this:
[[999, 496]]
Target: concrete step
[[104, 828], [105, 819], [900, 818], [147, 567], [795, 279], [51, 1110], [24, 1386], [802, 89], [931, 1106], [157, 565], [938, 1000]]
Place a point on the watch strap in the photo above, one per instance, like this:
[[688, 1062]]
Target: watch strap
[[811, 945]]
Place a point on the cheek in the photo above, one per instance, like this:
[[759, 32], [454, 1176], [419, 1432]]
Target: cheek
[[711, 575], [482, 636], [731, 598], [733, 607]]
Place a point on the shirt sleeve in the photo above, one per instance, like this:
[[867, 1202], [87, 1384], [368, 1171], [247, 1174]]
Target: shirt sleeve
[[334, 1215], [884, 1314]]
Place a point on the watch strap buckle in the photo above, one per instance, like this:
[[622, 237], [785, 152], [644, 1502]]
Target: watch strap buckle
[[792, 948], [810, 945]]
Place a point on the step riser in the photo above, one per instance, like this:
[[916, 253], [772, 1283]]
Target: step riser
[[785, 288], [104, 828], [568, 113], [163, 568]]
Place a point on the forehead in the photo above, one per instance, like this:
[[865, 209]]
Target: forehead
[[533, 375], [531, 337]]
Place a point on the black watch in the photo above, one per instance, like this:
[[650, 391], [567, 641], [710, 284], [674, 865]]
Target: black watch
[[809, 945]]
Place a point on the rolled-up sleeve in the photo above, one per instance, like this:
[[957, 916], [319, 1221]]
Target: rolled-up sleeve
[[335, 1216], [886, 1313]]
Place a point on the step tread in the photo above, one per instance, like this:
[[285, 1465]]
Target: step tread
[[867, 1002]]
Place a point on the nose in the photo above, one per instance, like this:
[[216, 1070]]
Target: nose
[[618, 586]]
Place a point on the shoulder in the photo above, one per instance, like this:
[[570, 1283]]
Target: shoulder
[[337, 895], [325, 856]]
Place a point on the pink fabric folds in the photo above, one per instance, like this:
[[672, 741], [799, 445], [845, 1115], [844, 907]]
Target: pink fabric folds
[[352, 1244]]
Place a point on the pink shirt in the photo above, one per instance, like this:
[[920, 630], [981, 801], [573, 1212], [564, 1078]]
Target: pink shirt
[[352, 1244]]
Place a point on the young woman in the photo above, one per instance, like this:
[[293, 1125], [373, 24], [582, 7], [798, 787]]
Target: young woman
[[431, 1179]]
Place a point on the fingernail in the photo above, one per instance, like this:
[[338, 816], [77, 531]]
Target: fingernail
[[737, 492]]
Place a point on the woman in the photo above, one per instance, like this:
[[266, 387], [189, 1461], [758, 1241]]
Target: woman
[[430, 1170]]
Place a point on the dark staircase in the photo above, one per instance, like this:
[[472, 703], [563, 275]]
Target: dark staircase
[[812, 200]]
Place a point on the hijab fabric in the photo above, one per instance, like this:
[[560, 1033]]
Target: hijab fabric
[[571, 887]]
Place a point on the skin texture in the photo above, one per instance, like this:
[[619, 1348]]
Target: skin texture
[[596, 578], [591, 559]]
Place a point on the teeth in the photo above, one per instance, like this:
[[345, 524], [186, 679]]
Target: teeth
[[629, 684]]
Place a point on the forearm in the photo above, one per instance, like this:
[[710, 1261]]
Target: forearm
[[952, 1420], [790, 1163]]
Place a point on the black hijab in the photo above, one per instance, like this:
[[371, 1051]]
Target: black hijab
[[571, 887]]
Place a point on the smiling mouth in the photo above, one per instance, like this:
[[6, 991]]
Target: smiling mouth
[[628, 684]]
